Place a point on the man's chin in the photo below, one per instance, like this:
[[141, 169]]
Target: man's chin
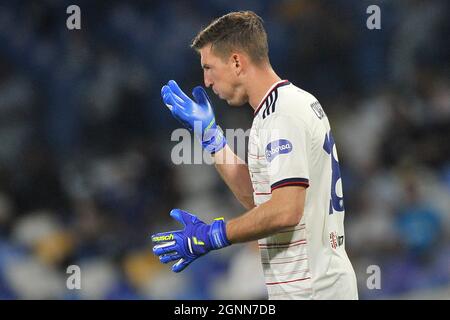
[[233, 103]]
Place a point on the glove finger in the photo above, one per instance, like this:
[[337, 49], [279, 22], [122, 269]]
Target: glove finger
[[167, 99], [178, 215], [177, 110], [200, 95], [181, 265], [165, 248], [183, 217], [166, 258], [177, 90], [178, 100], [171, 100]]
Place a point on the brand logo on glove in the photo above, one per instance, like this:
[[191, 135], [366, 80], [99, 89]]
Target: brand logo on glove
[[163, 238], [277, 147], [198, 242]]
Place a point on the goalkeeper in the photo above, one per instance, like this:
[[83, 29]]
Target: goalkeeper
[[291, 186]]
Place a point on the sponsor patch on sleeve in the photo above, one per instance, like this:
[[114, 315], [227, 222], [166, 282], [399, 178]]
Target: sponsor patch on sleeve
[[277, 147]]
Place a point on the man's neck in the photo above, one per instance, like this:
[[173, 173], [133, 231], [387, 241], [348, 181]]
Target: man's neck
[[261, 81]]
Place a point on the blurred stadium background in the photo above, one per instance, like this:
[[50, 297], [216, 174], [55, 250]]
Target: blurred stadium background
[[85, 170]]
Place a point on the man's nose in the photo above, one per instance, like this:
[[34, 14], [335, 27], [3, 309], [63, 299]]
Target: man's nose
[[207, 81]]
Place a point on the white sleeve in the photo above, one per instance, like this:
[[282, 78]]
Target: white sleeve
[[286, 143]]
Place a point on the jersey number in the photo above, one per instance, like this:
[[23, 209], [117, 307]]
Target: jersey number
[[336, 202]]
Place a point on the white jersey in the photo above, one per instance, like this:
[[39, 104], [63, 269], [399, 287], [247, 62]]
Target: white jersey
[[291, 144]]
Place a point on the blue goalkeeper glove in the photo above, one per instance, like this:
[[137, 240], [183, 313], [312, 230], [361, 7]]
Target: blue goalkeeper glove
[[196, 239], [197, 116]]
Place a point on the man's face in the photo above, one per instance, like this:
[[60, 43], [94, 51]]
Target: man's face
[[222, 76]]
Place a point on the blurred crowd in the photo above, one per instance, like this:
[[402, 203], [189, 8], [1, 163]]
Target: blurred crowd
[[85, 169]]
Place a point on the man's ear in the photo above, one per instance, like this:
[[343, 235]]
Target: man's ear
[[237, 61]]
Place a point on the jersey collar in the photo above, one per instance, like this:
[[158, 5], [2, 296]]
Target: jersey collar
[[272, 88]]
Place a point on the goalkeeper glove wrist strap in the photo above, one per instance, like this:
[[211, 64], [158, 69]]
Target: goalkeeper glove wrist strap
[[217, 141], [217, 234]]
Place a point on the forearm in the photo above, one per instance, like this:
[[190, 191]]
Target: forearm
[[234, 171], [269, 218]]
